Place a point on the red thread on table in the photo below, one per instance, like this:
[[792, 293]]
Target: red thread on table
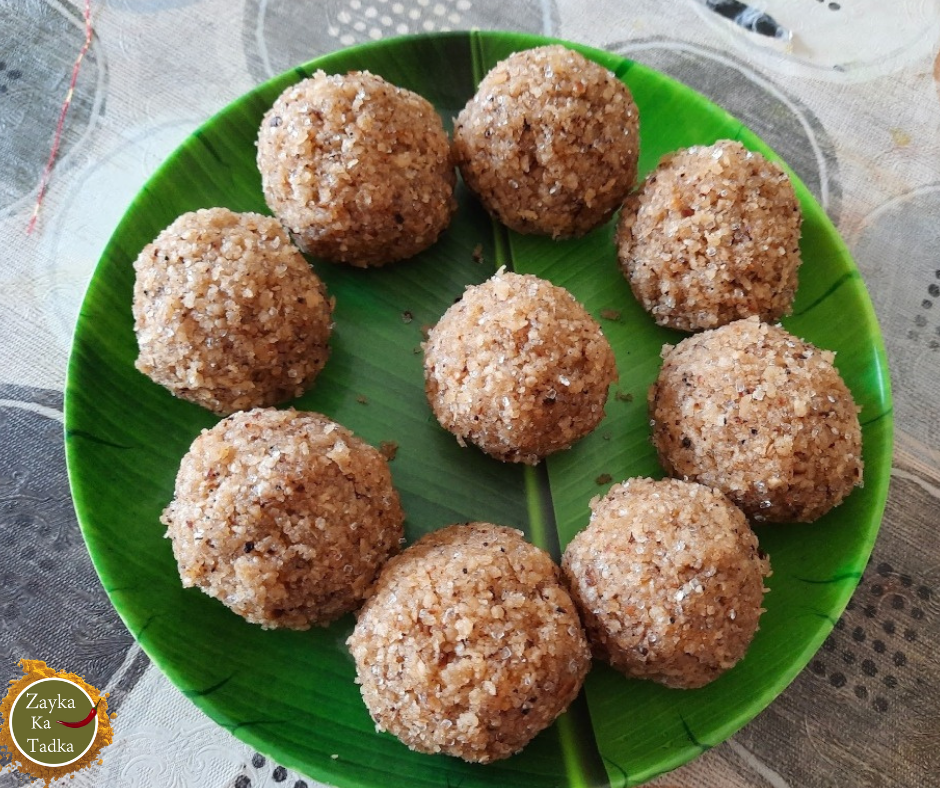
[[57, 139]]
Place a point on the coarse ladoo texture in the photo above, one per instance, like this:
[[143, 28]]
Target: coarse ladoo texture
[[669, 581], [358, 170], [712, 236], [285, 517], [228, 314], [470, 644], [549, 143], [518, 367], [763, 416]]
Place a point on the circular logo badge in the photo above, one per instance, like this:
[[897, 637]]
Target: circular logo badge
[[53, 722]]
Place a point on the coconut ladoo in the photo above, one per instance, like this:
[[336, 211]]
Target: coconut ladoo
[[712, 236], [549, 143], [284, 517], [228, 314], [470, 645], [357, 169], [669, 580], [518, 368], [761, 415]]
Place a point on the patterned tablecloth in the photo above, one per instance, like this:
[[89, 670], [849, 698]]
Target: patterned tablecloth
[[852, 102]]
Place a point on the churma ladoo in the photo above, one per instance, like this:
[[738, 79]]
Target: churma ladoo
[[518, 367], [470, 644], [712, 236], [669, 580], [549, 143], [285, 517], [359, 170], [761, 415], [228, 313]]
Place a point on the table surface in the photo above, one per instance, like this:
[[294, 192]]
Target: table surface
[[852, 102]]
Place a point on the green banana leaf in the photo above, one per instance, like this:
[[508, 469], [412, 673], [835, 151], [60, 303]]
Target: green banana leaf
[[291, 694]]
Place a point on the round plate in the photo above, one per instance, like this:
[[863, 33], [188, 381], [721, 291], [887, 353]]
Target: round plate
[[291, 694]]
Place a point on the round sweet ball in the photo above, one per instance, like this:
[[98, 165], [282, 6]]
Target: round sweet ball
[[228, 314], [761, 415], [549, 143], [358, 170], [470, 644], [518, 367], [712, 236], [284, 517], [669, 580]]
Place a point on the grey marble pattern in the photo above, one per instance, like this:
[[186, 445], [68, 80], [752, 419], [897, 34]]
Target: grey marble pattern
[[33, 88], [766, 107], [279, 34], [52, 605]]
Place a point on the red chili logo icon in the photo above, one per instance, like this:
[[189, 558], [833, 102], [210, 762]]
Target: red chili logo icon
[[84, 722]]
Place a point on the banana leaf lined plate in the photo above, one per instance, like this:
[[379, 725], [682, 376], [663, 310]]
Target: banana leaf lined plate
[[291, 694]]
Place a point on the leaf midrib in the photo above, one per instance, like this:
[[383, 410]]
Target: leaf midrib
[[584, 766]]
